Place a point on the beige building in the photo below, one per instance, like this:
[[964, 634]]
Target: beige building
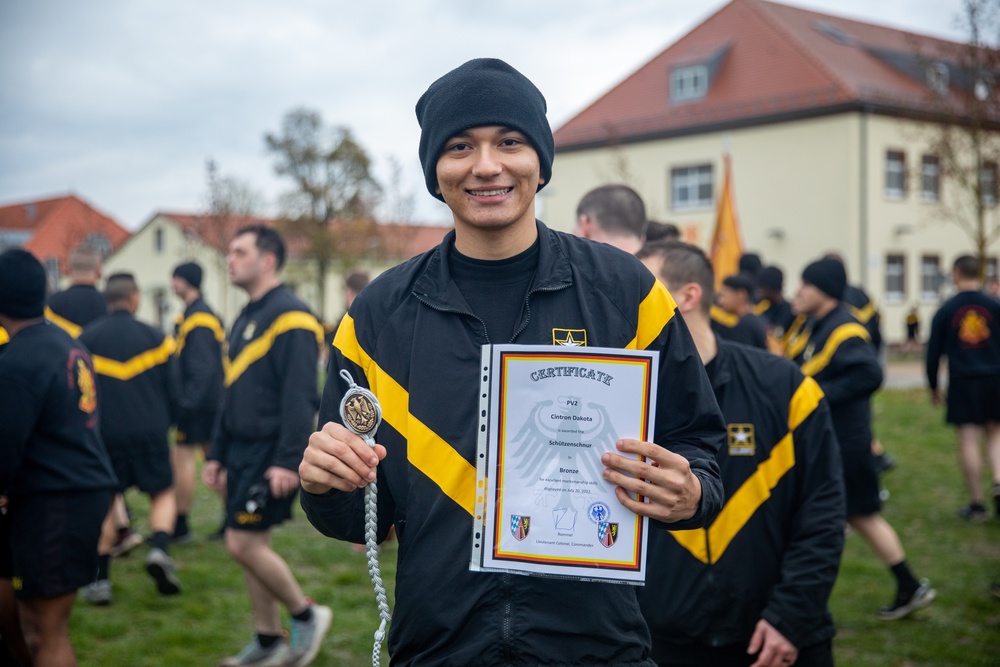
[[169, 239], [821, 117]]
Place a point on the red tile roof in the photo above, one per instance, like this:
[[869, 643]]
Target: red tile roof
[[398, 241], [777, 62], [57, 225]]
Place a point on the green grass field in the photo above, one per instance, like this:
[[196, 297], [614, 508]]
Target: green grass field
[[211, 618]]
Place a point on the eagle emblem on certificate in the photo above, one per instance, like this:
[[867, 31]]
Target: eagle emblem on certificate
[[548, 415]]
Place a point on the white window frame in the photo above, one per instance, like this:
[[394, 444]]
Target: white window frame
[[930, 277], [895, 169], [688, 83], [988, 175], [687, 181], [895, 270], [930, 168]]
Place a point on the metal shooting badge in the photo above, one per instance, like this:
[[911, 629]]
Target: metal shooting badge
[[359, 410]]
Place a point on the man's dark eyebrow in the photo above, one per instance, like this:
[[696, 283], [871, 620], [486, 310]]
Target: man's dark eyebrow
[[467, 133]]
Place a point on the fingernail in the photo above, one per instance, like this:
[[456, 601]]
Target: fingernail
[[371, 474]]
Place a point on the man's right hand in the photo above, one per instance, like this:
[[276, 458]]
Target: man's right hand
[[212, 475], [338, 459]]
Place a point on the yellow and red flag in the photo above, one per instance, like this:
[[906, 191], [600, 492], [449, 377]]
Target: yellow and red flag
[[727, 243]]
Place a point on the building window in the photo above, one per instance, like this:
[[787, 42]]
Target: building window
[[162, 306], [895, 174], [930, 178], [930, 277], [991, 268], [988, 183], [938, 77], [158, 241], [100, 243], [895, 278], [691, 187], [688, 83], [52, 272]]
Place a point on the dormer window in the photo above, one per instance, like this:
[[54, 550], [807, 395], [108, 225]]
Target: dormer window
[[937, 77], [688, 83], [983, 88]]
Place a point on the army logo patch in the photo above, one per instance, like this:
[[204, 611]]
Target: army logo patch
[[249, 330], [569, 337], [741, 440], [607, 533], [810, 349], [519, 526]]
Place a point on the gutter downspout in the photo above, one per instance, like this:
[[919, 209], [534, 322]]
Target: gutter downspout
[[863, 201]]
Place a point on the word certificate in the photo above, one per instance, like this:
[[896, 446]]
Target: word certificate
[[548, 413]]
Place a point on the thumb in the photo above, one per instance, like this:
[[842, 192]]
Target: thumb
[[757, 640]]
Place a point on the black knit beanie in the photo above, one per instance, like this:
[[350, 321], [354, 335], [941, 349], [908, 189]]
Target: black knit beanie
[[772, 278], [190, 272], [828, 275], [22, 285], [484, 91], [740, 281]]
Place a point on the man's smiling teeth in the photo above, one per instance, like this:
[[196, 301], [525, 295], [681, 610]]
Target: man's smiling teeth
[[489, 193]]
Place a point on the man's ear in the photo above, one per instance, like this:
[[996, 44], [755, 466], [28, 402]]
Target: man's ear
[[688, 297], [584, 226]]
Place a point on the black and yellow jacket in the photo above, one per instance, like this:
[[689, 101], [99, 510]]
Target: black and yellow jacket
[[412, 338], [271, 392], [967, 330], [50, 440], [836, 351], [136, 380], [75, 307], [200, 338], [865, 311], [748, 329], [774, 549]]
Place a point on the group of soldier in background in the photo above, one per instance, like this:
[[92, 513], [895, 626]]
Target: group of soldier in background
[[247, 403], [801, 458]]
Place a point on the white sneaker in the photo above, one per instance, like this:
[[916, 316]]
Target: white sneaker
[[161, 568], [255, 655], [98, 592], [307, 636]]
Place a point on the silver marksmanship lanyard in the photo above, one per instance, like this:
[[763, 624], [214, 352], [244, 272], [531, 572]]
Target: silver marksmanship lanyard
[[361, 414]]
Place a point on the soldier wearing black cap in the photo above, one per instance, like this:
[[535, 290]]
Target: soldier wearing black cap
[[415, 337], [733, 318], [772, 308], [137, 382], [54, 469], [836, 351], [199, 338]]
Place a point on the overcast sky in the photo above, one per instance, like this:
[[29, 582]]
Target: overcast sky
[[123, 101]]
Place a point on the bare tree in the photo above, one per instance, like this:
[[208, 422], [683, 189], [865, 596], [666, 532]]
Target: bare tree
[[333, 182], [228, 199], [966, 137], [400, 202]]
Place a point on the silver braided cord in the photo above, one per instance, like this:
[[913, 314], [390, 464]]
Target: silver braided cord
[[371, 552], [361, 413]]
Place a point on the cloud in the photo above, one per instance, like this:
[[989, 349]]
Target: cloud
[[124, 100]]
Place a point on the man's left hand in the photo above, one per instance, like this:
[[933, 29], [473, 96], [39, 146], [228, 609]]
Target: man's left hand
[[283, 481], [664, 478], [775, 650]]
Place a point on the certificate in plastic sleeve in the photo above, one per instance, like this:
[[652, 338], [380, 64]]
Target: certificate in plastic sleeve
[[547, 415]]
